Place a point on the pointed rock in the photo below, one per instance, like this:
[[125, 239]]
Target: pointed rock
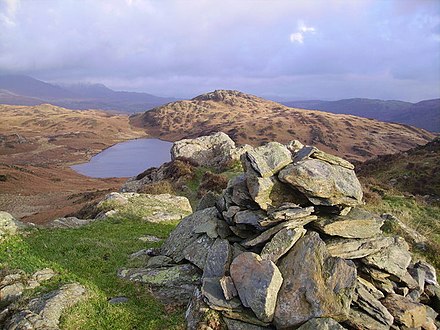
[[268, 159], [258, 282], [281, 243], [323, 288], [323, 183], [358, 223]]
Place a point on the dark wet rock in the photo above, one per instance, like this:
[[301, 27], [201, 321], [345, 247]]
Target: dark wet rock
[[322, 183], [357, 223], [230, 213], [323, 288], [258, 282]]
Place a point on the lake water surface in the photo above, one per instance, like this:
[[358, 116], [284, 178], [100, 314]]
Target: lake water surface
[[127, 159]]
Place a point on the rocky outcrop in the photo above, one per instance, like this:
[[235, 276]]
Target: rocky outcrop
[[217, 150], [44, 312], [9, 225], [288, 246], [13, 284], [152, 208]]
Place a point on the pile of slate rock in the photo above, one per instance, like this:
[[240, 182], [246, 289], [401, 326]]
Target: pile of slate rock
[[288, 246]]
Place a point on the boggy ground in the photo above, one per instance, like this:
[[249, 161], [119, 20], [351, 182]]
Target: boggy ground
[[37, 146]]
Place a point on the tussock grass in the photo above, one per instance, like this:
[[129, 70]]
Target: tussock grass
[[92, 255], [414, 211]]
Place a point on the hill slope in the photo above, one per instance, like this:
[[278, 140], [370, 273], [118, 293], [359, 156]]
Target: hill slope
[[24, 90], [37, 145], [424, 114], [416, 171], [253, 120]]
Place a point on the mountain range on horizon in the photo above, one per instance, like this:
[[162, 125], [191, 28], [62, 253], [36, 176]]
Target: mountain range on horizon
[[25, 90]]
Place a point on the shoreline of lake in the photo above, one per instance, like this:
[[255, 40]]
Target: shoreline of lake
[[109, 164]]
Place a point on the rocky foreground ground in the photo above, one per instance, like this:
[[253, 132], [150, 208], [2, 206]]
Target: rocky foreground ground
[[287, 245]]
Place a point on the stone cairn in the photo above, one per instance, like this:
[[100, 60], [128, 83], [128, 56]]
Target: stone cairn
[[287, 246]]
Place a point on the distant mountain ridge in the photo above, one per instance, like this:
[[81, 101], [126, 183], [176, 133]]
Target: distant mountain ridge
[[254, 120], [424, 114], [25, 90]]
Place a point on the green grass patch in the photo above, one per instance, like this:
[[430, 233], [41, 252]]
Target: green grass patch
[[92, 255], [415, 213]]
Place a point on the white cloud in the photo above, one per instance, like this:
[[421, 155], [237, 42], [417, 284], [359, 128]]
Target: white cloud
[[8, 10], [297, 37], [301, 30]]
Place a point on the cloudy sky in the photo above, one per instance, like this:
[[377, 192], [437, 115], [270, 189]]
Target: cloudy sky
[[292, 49]]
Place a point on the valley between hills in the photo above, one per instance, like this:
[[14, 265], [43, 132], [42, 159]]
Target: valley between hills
[[37, 146], [39, 143]]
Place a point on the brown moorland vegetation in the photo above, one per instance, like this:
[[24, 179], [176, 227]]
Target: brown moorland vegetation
[[253, 120], [37, 145]]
